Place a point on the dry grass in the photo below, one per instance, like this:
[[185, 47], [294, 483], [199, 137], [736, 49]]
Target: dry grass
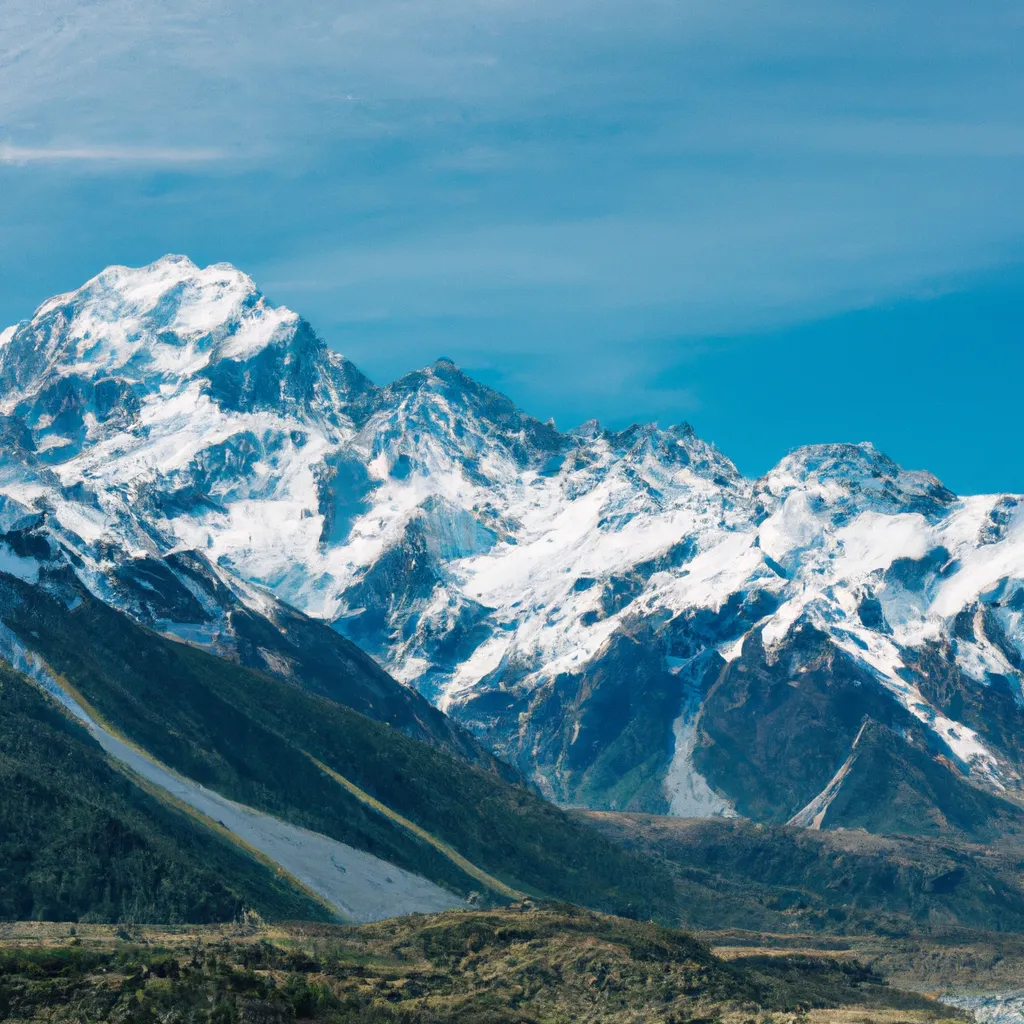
[[517, 966], [981, 962]]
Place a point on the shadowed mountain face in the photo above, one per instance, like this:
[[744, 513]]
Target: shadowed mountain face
[[619, 615]]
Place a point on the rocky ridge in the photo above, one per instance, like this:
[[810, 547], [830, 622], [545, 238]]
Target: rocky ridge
[[621, 615]]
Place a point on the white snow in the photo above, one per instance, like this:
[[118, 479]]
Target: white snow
[[167, 320], [874, 541], [263, 328], [982, 568], [732, 650], [17, 565], [51, 441], [883, 656], [537, 545], [791, 528]]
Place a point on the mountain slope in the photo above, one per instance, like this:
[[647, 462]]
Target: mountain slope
[[586, 602], [258, 740], [79, 841], [802, 729]]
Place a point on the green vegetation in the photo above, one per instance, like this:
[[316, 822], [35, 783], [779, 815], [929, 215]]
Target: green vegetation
[[322, 661], [516, 966], [489, 881], [79, 841], [252, 737], [320, 765], [737, 874]]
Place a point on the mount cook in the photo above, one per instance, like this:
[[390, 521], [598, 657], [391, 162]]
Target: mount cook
[[620, 615]]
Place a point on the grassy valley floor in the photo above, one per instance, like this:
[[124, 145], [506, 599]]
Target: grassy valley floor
[[956, 963], [734, 873], [982, 971], [513, 966]]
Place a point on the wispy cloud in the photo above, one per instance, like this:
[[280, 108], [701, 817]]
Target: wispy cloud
[[106, 154], [543, 176]]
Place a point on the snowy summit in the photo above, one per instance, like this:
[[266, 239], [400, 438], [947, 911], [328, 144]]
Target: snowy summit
[[591, 602]]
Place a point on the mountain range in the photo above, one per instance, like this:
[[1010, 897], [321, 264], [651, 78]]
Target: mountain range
[[618, 619]]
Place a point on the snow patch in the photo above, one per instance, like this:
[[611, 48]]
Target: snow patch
[[791, 528], [994, 1008], [26, 569], [688, 792]]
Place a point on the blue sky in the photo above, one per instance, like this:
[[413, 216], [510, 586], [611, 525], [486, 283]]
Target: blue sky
[[784, 222]]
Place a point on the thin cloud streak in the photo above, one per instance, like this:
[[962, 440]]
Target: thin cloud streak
[[106, 154]]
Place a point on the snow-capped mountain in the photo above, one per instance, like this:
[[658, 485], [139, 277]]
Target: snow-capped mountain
[[620, 614]]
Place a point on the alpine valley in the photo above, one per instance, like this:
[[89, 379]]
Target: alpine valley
[[410, 619]]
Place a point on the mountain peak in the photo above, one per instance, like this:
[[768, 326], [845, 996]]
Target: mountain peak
[[572, 596], [590, 429], [161, 322], [140, 288], [181, 260], [861, 473]]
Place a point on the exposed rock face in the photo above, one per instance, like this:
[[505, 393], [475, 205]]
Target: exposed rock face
[[621, 615]]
